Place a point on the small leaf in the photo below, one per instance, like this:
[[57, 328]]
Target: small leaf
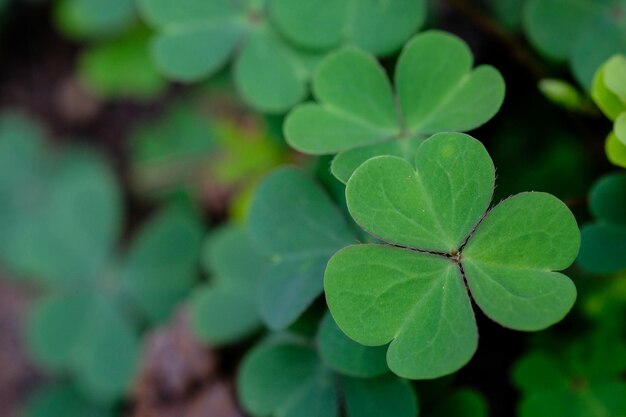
[[601, 40], [603, 248], [608, 101], [615, 76], [509, 260], [298, 249], [300, 386], [195, 39], [615, 150], [538, 371], [580, 378], [267, 74], [189, 55], [346, 356], [107, 352], [311, 24], [382, 27], [94, 18], [227, 310], [374, 26], [50, 338], [87, 335], [437, 89], [357, 101], [220, 316], [160, 268], [553, 26]]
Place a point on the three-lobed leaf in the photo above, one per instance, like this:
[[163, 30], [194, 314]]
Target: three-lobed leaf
[[276, 45], [412, 294], [436, 89]]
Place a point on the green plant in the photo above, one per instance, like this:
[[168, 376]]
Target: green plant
[[609, 93], [96, 298], [225, 311], [300, 249], [303, 386], [437, 90], [580, 378], [435, 216], [584, 33], [328, 285], [94, 19], [603, 247], [277, 43]]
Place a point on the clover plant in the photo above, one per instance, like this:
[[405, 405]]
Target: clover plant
[[225, 310], [366, 263], [603, 247], [579, 378], [302, 385], [356, 114], [440, 236], [95, 298], [277, 43], [584, 33], [609, 93]]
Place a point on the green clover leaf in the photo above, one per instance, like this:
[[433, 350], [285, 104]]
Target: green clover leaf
[[226, 310], [583, 32], [94, 18], [437, 90], [579, 379], [303, 387], [375, 26], [298, 248], [434, 215], [81, 326], [609, 93], [603, 247], [44, 198], [61, 218], [276, 43]]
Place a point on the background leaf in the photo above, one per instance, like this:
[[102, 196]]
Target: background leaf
[[299, 249]]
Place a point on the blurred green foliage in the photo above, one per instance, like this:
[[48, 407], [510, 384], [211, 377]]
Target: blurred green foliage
[[213, 91]]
